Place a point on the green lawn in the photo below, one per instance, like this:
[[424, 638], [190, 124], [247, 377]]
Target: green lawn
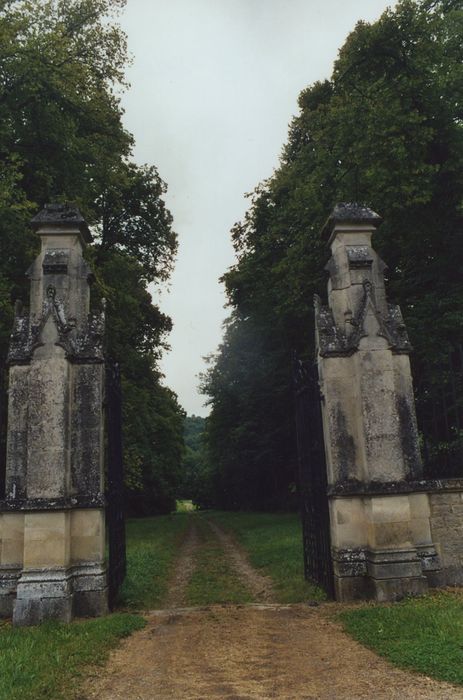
[[151, 547], [185, 506], [274, 544], [424, 634], [45, 661]]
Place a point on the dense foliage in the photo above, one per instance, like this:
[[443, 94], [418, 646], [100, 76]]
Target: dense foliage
[[385, 130], [61, 138], [196, 471]]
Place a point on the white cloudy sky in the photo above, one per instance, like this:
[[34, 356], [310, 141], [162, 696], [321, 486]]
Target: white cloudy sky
[[214, 84]]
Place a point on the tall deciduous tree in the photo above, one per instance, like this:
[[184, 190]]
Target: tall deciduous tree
[[62, 68], [386, 130]]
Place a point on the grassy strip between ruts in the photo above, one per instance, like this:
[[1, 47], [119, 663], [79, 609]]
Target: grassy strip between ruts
[[213, 580], [274, 545], [44, 661], [424, 634], [152, 544]]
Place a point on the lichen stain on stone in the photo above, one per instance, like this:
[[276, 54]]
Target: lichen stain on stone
[[409, 437], [86, 427], [345, 445]]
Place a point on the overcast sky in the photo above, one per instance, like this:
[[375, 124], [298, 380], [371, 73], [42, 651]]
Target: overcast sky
[[214, 84]]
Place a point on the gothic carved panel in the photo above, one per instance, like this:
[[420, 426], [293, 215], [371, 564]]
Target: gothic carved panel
[[334, 342]]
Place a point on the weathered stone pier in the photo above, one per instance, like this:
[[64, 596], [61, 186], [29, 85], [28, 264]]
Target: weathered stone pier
[[52, 528], [392, 532]]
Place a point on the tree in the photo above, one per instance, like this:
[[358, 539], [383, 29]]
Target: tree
[[196, 484], [385, 130], [133, 218], [246, 431], [61, 127], [61, 137]]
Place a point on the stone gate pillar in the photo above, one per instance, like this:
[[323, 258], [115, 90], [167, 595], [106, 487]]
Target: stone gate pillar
[[380, 521], [52, 533]]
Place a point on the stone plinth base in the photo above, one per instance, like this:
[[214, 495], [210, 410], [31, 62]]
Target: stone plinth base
[[396, 539], [362, 574], [394, 574], [393, 564], [43, 595], [60, 595], [33, 611], [8, 583], [90, 590], [397, 588], [349, 588], [52, 564]]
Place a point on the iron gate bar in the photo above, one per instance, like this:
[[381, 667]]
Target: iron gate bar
[[313, 483], [115, 515], [3, 421]]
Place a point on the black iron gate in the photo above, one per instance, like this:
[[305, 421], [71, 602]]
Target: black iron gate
[[3, 425], [115, 483], [318, 565], [439, 410]]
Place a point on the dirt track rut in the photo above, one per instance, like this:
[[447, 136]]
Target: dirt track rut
[[260, 586]]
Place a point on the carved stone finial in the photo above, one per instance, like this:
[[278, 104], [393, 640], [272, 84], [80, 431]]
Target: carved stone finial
[[61, 215], [333, 342], [350, 213]]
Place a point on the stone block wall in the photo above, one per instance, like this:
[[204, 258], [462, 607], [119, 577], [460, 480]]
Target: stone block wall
[[446, 519]]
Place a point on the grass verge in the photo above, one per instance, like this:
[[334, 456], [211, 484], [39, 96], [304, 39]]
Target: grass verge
[[213, 580], [274, 545], [151, 547], [424, 634], [44, 661]]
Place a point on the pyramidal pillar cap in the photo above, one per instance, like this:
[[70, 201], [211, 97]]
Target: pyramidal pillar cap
[[349, 214], [55, 219]]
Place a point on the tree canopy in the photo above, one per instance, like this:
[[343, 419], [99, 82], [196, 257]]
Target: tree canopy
[[62, 66], [385, 130]]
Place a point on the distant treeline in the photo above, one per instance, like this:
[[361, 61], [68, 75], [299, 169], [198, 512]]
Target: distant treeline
[[61, 138], [386, 130]]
